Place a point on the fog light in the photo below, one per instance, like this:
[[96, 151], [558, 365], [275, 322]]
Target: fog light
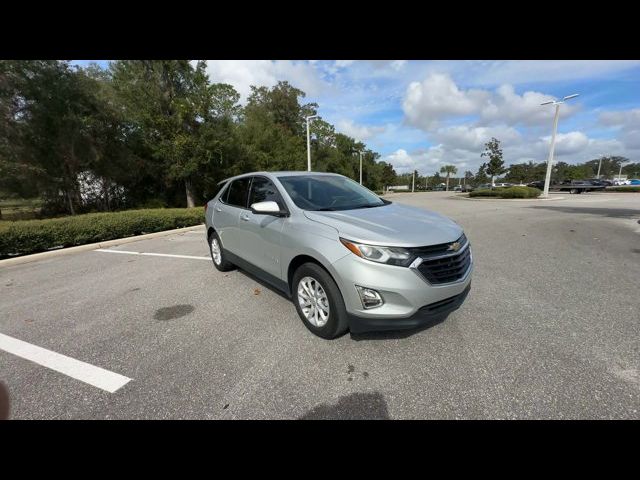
[[369, 297]]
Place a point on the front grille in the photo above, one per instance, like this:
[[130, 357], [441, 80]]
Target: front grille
[[434, 250], [446, 269]]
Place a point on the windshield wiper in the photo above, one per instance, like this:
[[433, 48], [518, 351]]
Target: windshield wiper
[[324, 209], [366, 206]]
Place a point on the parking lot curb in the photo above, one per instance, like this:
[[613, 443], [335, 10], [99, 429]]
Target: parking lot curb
[[90, 246]]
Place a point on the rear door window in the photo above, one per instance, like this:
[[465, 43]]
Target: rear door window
[[238, 192]]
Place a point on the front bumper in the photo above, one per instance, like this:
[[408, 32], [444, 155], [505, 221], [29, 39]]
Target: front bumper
[[407, 295], [429, 314]]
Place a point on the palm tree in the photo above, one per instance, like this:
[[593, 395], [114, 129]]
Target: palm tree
[[448, 169]]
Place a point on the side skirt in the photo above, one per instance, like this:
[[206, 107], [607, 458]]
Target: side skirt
[[258, 272]]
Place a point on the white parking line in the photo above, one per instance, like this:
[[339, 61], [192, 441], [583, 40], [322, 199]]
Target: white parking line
[[85, 372], [152, 254]]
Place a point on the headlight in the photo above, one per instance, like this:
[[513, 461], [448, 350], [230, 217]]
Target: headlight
[[389, 255]]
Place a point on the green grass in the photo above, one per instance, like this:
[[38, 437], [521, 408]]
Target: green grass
[[507, 192], [31, 236], [20, 208]]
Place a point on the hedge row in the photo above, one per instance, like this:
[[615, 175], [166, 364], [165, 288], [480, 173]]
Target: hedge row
[[30, 236], [629, 188], [508, 192]]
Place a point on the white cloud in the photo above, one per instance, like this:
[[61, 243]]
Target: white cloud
[[343, 63], [438, 98], [628, 123], [567, 143], [244, 73], [506, 106], [359, 132], [541, 71], [473, 138]]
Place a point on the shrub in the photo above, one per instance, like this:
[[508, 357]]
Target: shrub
[[30, 236], [508, 192], [628, 188]]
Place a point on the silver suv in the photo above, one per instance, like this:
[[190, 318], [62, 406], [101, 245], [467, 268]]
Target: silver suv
[[347, 258]]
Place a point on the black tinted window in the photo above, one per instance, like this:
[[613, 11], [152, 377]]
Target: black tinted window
[[262, 190], [238, 192]]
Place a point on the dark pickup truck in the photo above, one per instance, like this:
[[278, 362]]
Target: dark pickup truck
[[571, 186]]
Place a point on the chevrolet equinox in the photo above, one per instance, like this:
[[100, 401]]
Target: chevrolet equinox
[[347, 258]]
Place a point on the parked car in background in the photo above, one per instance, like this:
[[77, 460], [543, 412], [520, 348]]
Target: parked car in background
[[347, 258], [621, 182], [483, 186], [537, 184], [600, 181], [577, 186], [634, 181]]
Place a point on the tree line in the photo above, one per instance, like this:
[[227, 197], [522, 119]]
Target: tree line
[[494, 170], [150, 133]]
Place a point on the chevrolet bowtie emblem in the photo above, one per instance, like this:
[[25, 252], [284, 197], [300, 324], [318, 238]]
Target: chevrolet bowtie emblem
[[455, 246]]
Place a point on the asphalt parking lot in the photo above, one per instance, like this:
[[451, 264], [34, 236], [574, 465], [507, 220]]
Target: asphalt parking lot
[[551, 329]]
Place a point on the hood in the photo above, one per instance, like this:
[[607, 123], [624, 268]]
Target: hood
[[392, 225]]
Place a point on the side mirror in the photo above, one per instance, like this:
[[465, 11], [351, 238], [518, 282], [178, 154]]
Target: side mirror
[[267, 208]]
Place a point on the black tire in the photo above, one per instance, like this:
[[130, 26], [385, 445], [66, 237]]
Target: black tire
[[337, 324], [574, 191], [224, 265]]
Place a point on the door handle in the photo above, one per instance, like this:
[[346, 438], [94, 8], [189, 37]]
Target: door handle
[[244, 217]]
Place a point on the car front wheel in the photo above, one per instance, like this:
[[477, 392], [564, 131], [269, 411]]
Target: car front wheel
[[319, 302]]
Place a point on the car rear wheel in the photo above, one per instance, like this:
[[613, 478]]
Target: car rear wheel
[[217, 253], [318, 301]]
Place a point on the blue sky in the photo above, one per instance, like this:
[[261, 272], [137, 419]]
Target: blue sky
[[424, 114]]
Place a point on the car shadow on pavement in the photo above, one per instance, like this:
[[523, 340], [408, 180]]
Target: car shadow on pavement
[[356, 406], [605, 212], [395, 334]]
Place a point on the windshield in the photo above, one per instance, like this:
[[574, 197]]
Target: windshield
[[328, 192]]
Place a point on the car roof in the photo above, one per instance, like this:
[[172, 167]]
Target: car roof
[[283, 173]]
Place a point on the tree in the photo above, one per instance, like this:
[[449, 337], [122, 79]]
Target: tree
[[496, 163], [170, 101], [388, 175], [448, 169], [468, 176], [521, 172]]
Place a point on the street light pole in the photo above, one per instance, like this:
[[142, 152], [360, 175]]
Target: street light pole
[[413, 184], [360, 167], [599, 165], [309, 143], [557, 103]]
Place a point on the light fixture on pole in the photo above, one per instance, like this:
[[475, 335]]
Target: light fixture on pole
[[309, 143], [557, 103]]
